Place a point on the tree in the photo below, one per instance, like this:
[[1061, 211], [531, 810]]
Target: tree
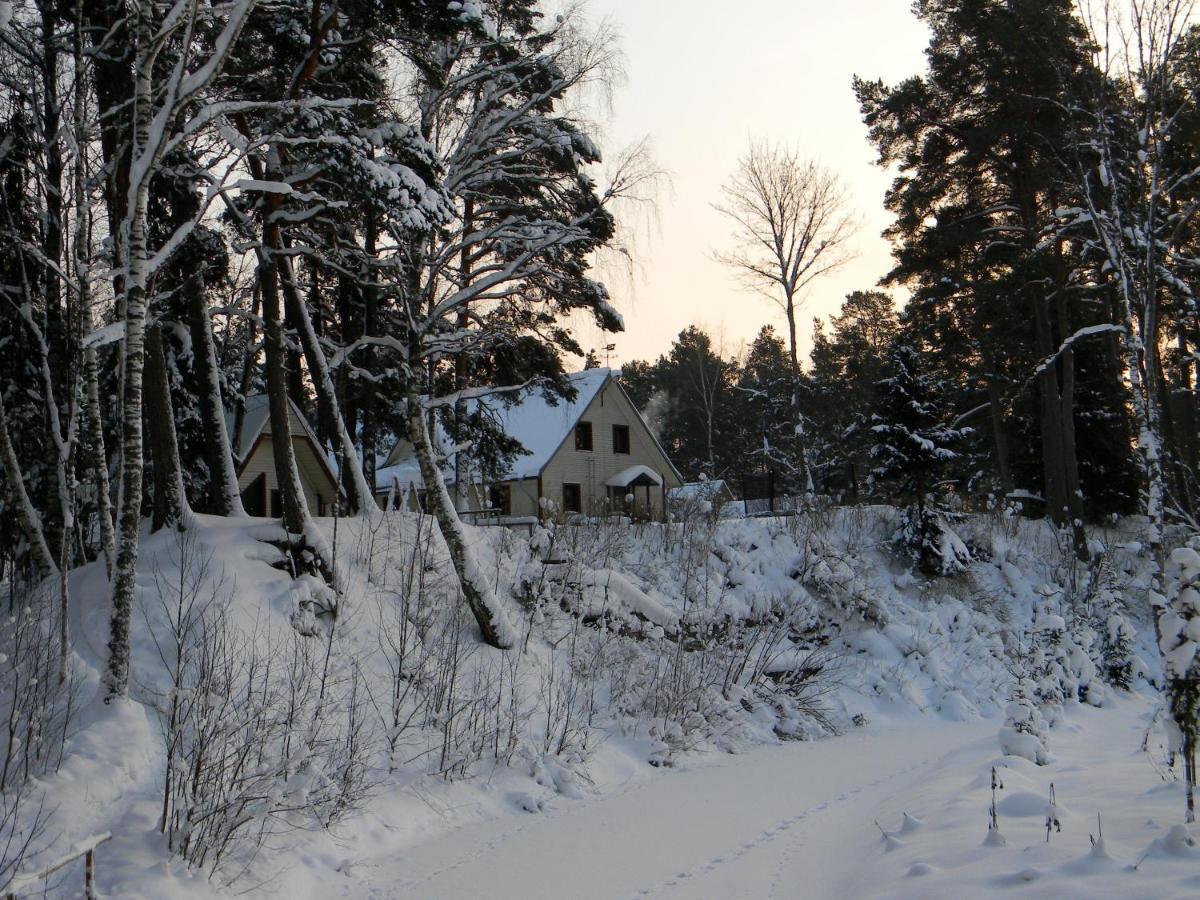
[[914, 446], [980, 140], [846, 367], [1139, 200], [689, 393], [762, 397], [791, 226], [156, 121], [497, 249]]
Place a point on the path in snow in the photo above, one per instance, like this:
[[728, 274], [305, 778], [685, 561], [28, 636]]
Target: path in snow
[[778, 821]]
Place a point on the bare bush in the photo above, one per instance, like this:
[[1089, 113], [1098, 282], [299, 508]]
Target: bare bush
[[263, 732]]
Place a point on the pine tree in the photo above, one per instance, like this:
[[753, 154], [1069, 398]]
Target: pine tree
[[763, 397], [847, 364], [1025, 732], [913, 449], [981, 140]]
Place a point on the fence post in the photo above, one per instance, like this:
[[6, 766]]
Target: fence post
[[89, 875]]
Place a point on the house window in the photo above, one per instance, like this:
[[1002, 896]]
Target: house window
[[572, 498], [276, 504], [583, 436], [500, 499], [620, 439]]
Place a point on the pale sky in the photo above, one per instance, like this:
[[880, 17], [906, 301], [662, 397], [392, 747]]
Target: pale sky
[[704, 77]]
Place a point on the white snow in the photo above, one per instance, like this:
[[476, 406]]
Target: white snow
[[636, 805]]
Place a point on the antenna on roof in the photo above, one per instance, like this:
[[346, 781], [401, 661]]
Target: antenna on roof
[[608, 349]]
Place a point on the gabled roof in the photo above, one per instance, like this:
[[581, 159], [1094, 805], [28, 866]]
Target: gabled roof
[[539, 425], [257, 420]]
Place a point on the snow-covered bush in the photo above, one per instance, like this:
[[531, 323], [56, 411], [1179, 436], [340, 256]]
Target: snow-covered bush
[[928, 538], [1117, 650]]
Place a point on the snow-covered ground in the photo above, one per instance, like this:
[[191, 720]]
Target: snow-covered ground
[[617, 758], [799, 819]]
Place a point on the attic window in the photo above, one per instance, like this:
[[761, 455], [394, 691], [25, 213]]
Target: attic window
[[620, 439], [583, 436]]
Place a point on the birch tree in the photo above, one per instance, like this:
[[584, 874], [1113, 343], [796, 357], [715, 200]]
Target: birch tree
[[169, 77], [1139, 203], [792, 224], [523, 214]]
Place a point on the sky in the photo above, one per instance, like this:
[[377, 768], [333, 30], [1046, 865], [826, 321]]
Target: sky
[[703, 79]]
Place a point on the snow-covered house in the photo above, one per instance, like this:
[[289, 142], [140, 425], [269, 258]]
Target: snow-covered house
[[592, 455], [257, 480]]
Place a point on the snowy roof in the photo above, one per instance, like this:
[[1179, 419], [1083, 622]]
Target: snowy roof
[[635, 476], [538, 424], [699, 490]]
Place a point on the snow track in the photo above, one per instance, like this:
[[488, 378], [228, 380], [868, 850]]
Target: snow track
[[765, 823]]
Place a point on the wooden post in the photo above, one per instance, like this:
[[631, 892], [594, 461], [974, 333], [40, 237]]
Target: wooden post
[[89, 874]]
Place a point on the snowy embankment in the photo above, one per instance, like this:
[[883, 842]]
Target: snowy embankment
[[647, 654]]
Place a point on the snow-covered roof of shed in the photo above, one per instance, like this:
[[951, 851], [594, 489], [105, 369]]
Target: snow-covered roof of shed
[[539, 424], [699, 490]]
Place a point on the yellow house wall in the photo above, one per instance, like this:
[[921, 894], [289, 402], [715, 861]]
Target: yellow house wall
[[590, 469], [318, 490]]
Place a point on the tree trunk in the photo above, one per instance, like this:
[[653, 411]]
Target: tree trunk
[[124, 582], [798, 436], [32, 523], [481, 599], [224, 497], [248, 365], [170, 499], [1067, 423], [358, 494], [1000, 437], [287, 473], [94, 420]]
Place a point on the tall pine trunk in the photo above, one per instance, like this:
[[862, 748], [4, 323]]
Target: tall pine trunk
[[287, 473], [358, 493], [170, 499]]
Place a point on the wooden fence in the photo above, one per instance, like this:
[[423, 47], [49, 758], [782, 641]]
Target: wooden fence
[[85, 848]]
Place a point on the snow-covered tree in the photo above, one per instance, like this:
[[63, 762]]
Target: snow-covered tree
[[1025, 732], [913, 446], [1179, 643]]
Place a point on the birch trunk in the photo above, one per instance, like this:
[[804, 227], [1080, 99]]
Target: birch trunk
[[481, 599], [124, 582], [25, 508], [94, 421]]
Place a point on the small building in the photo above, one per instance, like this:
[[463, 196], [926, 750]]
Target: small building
[[593, 455], [710, 497], [257, 480]]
